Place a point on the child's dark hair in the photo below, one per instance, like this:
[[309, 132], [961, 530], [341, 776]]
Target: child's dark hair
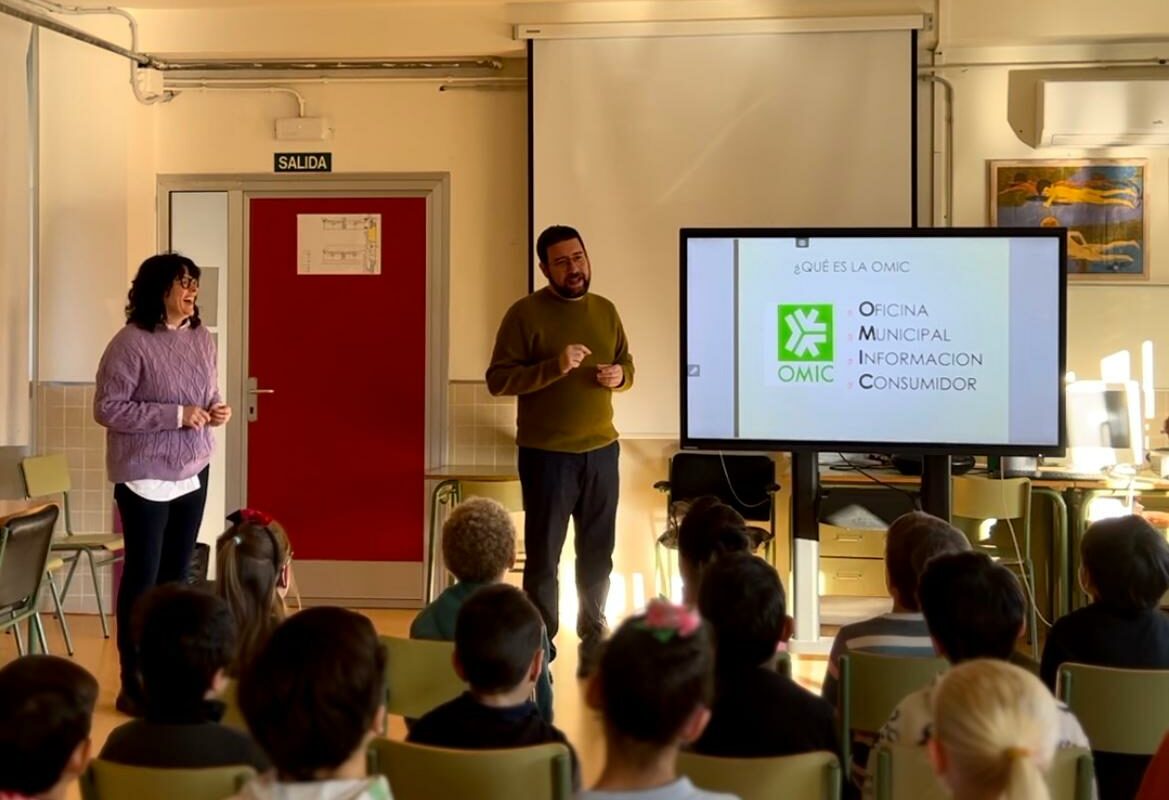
[[973, 606], [46, 711], [1127, 560], [711, 529], [910, 542], [185, 636], [249, 559], [497, 632], [652, 678], [743, 600], [314, 690]]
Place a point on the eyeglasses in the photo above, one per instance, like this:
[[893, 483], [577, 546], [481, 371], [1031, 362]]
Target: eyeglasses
[[187, 282]]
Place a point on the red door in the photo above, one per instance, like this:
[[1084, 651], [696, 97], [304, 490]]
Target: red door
[[336, 452]]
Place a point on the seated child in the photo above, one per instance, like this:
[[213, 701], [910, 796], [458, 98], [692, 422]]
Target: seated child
[[757, 711], [186, 639], [46, 710], [314, 699], [709, 530], [498, 636], [253, 563], [654, 689], [1125, 569], [1124, 566], [478, 547], [912, 540], [995, 731], [974, 608]]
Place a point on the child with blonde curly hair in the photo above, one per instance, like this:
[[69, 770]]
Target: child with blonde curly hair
[[478, 547]]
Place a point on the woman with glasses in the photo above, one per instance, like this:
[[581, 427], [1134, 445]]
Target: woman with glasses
[[157, 397]]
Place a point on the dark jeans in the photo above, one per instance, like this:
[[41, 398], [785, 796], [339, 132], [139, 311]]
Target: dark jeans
[[557, 486], [160, 538]]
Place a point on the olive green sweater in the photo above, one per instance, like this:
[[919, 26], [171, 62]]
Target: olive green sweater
[[567, 413]]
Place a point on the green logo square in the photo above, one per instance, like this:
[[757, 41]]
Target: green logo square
[[805, 332]]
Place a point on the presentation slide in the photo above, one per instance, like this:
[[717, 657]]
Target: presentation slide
[[884, 339]]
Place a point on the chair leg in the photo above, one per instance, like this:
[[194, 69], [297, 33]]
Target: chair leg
[[69, 576], [19, 640], [60, 614], [37, 627], [101, 611], [1030, 568]]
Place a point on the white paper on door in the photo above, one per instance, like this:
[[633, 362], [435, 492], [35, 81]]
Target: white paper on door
[[339, 244]]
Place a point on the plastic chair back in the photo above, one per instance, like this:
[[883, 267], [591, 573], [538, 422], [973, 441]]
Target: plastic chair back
[[104, 780], [507, 493], [46, 475], [808, 776], [233, 717], [543, 772], [420, 676], [1121, 710], [904, 772], [744, 482], [977, 499], [25, 541], [872, 685]]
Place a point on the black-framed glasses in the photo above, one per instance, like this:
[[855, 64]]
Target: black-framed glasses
[[187, 282]]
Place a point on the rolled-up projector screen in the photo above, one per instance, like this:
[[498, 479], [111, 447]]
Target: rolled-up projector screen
[[635, 138]]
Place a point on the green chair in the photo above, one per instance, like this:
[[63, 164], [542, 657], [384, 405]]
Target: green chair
[[1121, 710], [45, 476], [104, 780], [975, 500], [420, 675], [872, 685], [904, 772], [808, 776], [542, 772], [25, 539]]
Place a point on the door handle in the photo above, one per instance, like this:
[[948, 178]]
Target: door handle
[[253, 392]]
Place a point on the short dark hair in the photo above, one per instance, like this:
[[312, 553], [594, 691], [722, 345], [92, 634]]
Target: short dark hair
[[711, 529], [555, 234], [743, 600], [497, 632], [1128, 562], [912, 540], [46, 711], [649, 687], [145, 305], [185, 636], [973, 606], [314, 690]]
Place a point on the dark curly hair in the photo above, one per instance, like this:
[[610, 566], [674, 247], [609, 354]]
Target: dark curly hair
[[146, 304]]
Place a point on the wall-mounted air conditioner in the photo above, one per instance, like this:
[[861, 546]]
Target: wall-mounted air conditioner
[[1099, 113]]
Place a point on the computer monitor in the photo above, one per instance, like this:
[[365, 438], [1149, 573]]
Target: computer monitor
[[1104, 424]]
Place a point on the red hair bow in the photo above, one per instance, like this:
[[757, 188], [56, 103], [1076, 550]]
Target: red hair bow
[[255, 517]]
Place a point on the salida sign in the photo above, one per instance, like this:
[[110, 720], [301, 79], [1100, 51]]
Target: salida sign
[[304, 162]]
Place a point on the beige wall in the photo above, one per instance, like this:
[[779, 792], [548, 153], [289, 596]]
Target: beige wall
[[102, 151]]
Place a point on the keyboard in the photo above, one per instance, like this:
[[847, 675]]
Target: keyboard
[[1062, 474]]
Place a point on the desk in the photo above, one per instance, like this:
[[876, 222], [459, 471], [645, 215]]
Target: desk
[[446, 493], [1070, 500]]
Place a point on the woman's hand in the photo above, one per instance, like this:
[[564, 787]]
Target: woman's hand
[[220, 414], [195, 417]]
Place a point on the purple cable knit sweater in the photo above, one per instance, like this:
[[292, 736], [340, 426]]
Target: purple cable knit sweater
[[142, 381]]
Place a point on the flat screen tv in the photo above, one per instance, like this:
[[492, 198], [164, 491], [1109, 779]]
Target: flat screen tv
[[922, 340]]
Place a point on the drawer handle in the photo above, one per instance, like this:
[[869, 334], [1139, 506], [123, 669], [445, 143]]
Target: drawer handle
[[849, 539], [848, 576]]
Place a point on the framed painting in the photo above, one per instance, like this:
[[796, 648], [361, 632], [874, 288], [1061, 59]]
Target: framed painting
[[1100, 201]]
